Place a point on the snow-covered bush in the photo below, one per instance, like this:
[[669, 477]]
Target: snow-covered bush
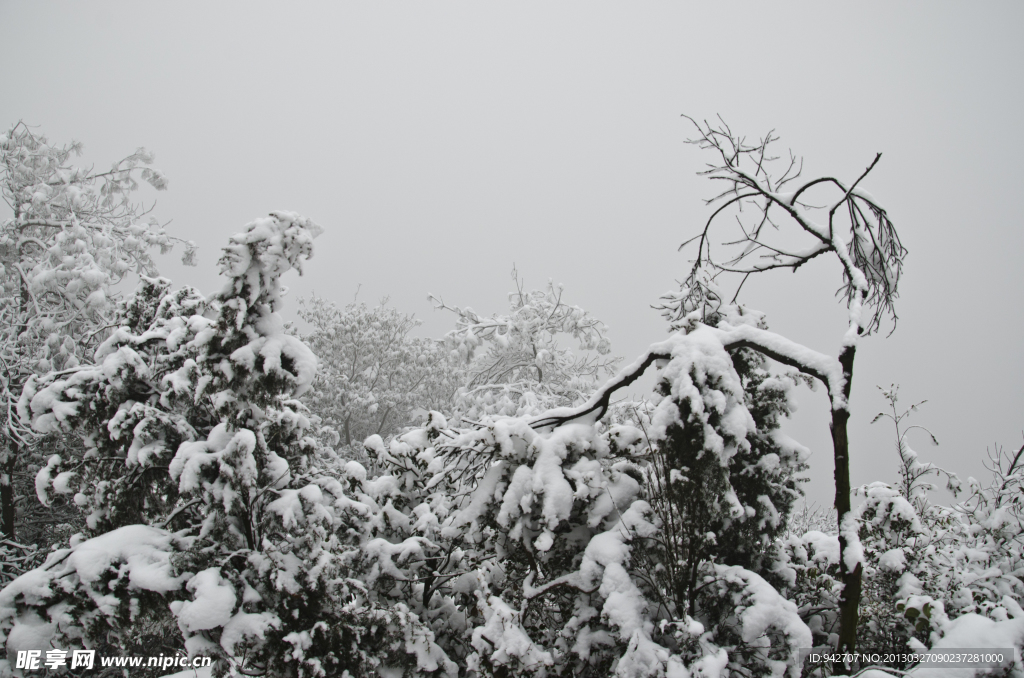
[[933, 576], [927, 564], [723, 468], [722, 481]]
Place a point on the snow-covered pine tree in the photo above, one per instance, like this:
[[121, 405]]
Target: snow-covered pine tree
[[723, 478], [205, 507]]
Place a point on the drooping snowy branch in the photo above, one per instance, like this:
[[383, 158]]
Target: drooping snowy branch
[[822, 367]]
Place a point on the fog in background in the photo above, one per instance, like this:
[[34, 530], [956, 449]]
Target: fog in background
[[441, 143]]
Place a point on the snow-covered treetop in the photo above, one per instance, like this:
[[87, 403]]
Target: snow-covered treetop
[[270, 246], [516, 363]]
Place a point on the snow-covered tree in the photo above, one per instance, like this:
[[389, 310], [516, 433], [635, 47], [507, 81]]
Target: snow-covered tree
[[560, 539], [374, 376], [773, 213], [73, 234], [205, 509], [516, 364], [726, 480]]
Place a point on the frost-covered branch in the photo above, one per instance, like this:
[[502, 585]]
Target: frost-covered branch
[[856, 230]]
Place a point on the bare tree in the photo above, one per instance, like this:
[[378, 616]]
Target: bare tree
[[778, 227]]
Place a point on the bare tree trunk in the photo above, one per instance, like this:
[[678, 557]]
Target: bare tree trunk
[[849, 602], [7, 509]]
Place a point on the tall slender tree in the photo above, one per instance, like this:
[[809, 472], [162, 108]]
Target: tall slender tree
[[774, 211]]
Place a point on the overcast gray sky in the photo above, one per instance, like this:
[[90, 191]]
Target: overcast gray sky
[[439, 143]]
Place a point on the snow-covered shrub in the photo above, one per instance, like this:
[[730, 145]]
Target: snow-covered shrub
[[927, 564], [722, 481], [898, 570], [988, 560], [807, 567], [726, 474], [534, 530], [932, 575]]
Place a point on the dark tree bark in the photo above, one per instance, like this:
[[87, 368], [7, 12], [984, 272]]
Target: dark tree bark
[[7, 508], [849, 602]]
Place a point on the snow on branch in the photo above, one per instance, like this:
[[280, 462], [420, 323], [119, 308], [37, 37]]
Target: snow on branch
[[824, 368]]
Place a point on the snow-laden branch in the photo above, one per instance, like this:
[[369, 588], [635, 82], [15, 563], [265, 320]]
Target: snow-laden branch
[[824, 368]]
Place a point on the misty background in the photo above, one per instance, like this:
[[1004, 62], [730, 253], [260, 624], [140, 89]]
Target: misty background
[[440, 144]]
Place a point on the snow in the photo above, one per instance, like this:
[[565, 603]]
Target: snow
[[212, 605], [138, 553], [763, 608], [853, 554], [44, 479], [483, 495], [144, 550], [893, 559], [244, 625], [222, 444], [975, 631], [502, 630]]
